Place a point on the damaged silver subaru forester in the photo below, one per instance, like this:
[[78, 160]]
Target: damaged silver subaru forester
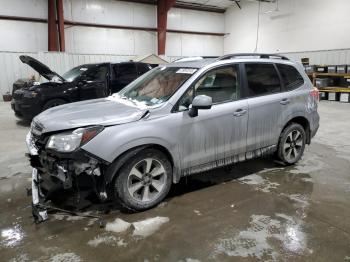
[[176, 120]]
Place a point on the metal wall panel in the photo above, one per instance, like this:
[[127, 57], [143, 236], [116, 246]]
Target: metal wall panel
[[22, 36], [296, 26], [327, 57], [191, 20], [194, 45], [111, 12], [27, 8]]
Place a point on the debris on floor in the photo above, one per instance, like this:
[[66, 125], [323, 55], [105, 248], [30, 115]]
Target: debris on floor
[[117, 226], [147, 227]]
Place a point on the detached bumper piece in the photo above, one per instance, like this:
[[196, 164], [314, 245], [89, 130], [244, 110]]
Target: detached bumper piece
[[39, 212]]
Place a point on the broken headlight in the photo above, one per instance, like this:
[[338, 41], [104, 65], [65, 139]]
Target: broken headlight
[[70, 141]]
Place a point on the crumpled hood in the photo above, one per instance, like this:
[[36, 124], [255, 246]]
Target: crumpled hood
[[104, 111]]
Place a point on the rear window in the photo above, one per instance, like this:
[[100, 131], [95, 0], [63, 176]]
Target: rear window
[[262, 79], [290, 76]]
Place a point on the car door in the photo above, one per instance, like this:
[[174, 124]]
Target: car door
[[266, 103], [125, 74], [94, 83], [216, 136]]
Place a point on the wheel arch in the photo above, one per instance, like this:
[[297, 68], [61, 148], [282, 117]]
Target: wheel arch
[[304, 122], [119, 161]]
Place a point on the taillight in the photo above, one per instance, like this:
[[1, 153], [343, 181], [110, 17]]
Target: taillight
[[315, 94]]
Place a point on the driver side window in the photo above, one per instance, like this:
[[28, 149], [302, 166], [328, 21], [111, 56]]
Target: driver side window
[[98, 73], [221, 84]]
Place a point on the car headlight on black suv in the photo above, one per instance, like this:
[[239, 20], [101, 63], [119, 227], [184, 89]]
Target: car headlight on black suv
[[69, 141], [31, 94]]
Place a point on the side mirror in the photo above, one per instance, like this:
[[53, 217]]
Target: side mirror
[[200, 102]]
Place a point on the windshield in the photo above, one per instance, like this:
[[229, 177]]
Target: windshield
[[156, 86], [72, 74]]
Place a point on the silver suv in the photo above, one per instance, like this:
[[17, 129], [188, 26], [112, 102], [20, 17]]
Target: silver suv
[[176, 120]]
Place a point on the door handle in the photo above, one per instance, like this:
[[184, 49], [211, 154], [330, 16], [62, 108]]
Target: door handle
[[285, 101], [239, 112]]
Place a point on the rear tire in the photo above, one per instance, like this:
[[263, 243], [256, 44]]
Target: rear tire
[[291, 144], [143, 181], [52, 103]]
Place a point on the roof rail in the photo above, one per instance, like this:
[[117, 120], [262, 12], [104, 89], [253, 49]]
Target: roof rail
[[266, 56], [193, 58]]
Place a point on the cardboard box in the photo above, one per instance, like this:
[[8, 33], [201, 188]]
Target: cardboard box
[[332, 69], [342, 69], [344, 97], [321, 69], [332, 96], [309, 69], [323, 95]]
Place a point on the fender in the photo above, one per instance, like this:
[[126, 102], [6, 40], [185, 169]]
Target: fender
[[119, 162], [293, 115], [299, 114], [125, 151]]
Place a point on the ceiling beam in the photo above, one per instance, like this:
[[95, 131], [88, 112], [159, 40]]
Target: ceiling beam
[[183, 5]]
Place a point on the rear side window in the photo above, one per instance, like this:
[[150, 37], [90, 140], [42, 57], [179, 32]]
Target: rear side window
[[143, 68], [127, 72], [290, 77], [262, 79]]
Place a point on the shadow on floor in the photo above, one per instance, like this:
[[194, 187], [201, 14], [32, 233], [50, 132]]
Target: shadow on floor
[[220, 175], [89, 202]]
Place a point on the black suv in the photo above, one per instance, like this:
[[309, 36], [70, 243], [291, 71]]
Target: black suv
[[80, 83]]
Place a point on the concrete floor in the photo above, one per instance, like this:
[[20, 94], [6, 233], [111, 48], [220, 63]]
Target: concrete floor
[[256, 211]]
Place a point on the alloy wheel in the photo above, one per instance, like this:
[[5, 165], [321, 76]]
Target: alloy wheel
[[146, 180], [293, 145]]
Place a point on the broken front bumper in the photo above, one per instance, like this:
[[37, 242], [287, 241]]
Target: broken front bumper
[[59, 175], [38, 210]]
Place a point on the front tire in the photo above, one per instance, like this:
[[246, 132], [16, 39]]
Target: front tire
[[291, 144], [144, 180]]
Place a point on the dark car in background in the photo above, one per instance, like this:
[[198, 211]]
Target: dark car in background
[[83, 82]]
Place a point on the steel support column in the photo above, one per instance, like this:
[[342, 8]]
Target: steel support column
[[52, 28], [163, 7], [60, 17]]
